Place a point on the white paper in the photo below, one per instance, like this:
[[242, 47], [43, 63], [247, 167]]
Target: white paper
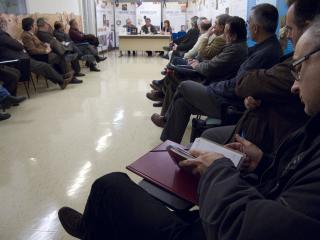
[[202, 144]]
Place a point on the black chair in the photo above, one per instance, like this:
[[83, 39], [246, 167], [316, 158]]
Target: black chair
[[230, 115]]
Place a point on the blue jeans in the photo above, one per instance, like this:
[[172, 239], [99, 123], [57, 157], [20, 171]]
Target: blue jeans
[[3, 93]]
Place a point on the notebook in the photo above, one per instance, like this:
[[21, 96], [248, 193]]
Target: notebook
[[206, 145]]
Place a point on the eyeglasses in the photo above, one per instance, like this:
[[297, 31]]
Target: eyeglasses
[[296, 65]]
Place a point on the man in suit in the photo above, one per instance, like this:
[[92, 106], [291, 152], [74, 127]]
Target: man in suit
[[79, 37], [11, 49], [86, 52], [44, 33], [148, 28]]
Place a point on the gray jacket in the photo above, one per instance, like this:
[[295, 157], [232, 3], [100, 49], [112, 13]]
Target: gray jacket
[[225, 64]]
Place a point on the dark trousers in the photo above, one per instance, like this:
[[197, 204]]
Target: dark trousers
[[46, 70], [117, 209], [179, 61], [10, 77], [190, 98]]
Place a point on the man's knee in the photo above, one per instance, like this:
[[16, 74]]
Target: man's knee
[[185, 87], [111, 180]]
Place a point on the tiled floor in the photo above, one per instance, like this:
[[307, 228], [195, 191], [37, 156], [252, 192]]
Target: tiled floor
[[58, 142]]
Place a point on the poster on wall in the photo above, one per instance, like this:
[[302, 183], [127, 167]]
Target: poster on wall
[[273, 2], [150, 10], [239, 8], [105, 24], [176, 14], [18, 7], [124, 11]]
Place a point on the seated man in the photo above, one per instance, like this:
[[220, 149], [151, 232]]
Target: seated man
[[10, 77], [148, 28], [86, 52], [44, 33], [278, 202], [185, 43], [129, 26], [162, 88], [39, 50], [79, 37], [194, 98], [272, 112], [12, 49]]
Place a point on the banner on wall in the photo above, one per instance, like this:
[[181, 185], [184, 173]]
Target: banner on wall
[[273, 2], [13, 6], [239, 8], [176, 14], [150, 10], [105, 24], [124, 11]]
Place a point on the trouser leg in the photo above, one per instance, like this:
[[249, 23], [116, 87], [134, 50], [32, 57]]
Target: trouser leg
[[76, 66], [10, 76], [190, 98], [45, 70], [117, 208], [219, 134]]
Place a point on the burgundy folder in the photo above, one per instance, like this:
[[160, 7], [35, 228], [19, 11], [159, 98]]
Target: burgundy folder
[[158, 168]]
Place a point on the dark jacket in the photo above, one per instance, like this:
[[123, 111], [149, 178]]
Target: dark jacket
[[280, 203], [10, 48], [145, 29], [61, 36], [281, 112], [261, 56], [77, 36], [226, 64], [187, 42], [45, 36]]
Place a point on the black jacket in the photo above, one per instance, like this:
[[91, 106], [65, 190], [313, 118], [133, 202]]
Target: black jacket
[[261, 56], [280, 201], [10, 48], [280, 113], [145, 29], [187, 42], [61, 36]]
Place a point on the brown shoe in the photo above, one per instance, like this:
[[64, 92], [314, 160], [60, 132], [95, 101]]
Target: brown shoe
[[65, 82], [158, 104], [158, 120], [155, 95], [71, 221]]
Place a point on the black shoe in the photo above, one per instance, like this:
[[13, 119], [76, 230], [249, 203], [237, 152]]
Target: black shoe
[[4, 116], [79, 74], [100, 59], [158, 83], [12, 101], [94, 68], [71, 221], [158, 104], [129, 53], [75, 81], [134, 53]]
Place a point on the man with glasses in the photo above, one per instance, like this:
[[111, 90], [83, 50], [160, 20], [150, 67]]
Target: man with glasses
[[273, 112], [280, 203]]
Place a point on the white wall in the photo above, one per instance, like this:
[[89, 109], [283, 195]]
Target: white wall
[[54, 6]]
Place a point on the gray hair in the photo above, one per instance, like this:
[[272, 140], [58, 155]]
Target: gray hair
[[266, 16], [314, 30], [41, 22], [194, 20], [3, 24], [205, 24]]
